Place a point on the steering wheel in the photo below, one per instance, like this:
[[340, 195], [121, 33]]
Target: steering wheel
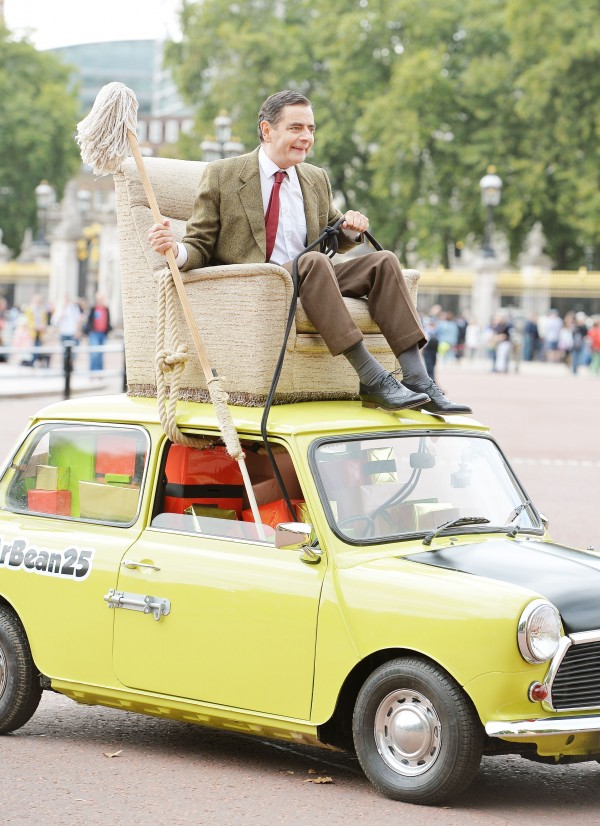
[[360, 517]]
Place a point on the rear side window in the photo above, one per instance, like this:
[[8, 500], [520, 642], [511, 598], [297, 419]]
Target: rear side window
[[80, 472]]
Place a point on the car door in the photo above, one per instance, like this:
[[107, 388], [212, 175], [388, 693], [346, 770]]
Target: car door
[[234, 619], [59, 552]]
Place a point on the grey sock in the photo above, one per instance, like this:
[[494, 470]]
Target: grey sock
[[367, 367], [413, 368]]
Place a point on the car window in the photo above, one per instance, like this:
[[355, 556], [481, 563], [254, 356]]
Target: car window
[[80, 472], [201, 491], [381, 488]]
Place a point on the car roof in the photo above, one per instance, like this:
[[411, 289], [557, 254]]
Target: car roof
[[308, 418]]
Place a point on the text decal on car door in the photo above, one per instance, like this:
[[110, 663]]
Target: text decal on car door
[[72, 563]]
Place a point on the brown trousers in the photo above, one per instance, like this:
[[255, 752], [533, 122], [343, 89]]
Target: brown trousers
[[377, 277]]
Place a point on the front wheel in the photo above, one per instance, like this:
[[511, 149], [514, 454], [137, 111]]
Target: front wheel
[[416, 733], [20, 689]]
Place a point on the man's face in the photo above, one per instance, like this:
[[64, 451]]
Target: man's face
[[289, 141]]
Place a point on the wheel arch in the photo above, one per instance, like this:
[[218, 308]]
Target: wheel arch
[[337, 730]]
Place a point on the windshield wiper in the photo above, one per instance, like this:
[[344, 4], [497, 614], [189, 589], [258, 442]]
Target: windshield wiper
[[519, 509], [464, 520]]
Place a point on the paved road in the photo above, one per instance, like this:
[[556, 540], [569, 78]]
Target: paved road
[[56, 769]]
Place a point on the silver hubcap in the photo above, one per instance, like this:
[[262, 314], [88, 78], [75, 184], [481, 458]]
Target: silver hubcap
[[408, 732], [3, 675]]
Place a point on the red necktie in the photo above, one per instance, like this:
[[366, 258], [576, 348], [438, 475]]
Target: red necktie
[[272, 213]]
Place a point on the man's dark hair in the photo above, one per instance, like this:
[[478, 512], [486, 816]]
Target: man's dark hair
[[272, 107]]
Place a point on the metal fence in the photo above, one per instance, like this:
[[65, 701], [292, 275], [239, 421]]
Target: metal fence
[[68, 364]]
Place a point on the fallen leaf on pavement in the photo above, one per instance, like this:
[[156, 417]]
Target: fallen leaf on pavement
[[319, 780], [113, 753]]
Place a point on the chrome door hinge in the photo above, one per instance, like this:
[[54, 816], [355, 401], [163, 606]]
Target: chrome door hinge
[[138, 602]]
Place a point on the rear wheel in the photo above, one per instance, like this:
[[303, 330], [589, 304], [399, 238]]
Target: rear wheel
[[416, 733], [20, 688]]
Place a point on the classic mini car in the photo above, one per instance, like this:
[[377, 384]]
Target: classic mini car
[[401, 598]]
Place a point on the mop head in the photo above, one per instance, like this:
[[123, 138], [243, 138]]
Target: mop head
[[102, 135]]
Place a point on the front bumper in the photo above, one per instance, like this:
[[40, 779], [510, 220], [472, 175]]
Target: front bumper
[[532, 729]]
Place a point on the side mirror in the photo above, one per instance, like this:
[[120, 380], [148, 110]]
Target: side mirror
[[292, 536], [545, 521]]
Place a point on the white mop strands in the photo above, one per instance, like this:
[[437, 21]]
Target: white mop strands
[[102, 135]]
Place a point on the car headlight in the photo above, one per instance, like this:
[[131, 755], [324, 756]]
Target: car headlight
[[539, 631]]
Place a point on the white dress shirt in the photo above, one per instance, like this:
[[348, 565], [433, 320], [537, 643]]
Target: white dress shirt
[[291, 230]]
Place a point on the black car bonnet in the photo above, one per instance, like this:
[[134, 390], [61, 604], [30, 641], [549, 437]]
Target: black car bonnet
[[569, 578]]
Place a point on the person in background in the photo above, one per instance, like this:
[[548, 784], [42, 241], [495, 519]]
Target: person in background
[[552, 327], [531, 339], [579, 353], [502, 328], [473, 338], [97, 329], [68, 319], [462, 325], [593, 338], [36, 314]]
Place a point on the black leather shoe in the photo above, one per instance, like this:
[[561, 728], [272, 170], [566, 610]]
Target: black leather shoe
[[389, 394], [438, 403]]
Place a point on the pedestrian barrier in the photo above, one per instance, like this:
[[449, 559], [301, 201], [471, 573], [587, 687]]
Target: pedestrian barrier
[[69, 353]]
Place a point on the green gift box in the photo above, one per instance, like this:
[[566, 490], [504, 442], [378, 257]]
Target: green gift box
[[108, 503], [74, 450], [51, 477]]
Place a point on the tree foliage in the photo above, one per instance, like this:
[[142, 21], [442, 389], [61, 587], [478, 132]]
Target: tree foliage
[[413, 100], [38, 113]]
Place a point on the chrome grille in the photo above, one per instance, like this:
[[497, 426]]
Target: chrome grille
[[577, 681]]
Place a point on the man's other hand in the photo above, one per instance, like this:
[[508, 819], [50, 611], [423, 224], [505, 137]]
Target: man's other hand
[[161, 238], [355, 221]]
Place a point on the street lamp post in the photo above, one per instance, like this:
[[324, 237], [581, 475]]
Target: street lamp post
[[45, 197], [491, 188], [222, 146]]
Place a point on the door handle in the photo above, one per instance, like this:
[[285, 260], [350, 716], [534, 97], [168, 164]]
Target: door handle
[[131, 563]]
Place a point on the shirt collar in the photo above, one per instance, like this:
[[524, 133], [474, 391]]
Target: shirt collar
[[269, 167]]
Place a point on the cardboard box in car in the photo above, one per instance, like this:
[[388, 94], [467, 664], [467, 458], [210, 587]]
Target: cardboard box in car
[[108, 503]]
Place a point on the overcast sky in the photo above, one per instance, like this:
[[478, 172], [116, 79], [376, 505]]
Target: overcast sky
[[54, 23]]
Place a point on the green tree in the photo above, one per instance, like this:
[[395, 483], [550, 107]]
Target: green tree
[[38, 114], [413, 100]]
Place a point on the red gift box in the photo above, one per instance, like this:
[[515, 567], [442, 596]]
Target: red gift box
[[275, 512], [49, 501], [191, 466], [115, 454]]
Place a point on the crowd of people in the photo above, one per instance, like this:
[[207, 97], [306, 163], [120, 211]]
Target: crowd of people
[[509, 338], [36, 325]]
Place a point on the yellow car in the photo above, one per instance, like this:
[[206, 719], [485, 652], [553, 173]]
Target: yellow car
[[399, 595]]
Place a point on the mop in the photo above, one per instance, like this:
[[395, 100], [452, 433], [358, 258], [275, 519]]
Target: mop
[[106, 136]]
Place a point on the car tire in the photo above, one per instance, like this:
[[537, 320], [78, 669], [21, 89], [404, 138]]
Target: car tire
[[416, 733], [20, 689]]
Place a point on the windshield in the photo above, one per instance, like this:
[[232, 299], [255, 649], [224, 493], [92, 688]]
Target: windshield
[[383, 488]]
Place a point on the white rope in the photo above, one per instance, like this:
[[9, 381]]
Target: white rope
[[102, 135], [171, 362]]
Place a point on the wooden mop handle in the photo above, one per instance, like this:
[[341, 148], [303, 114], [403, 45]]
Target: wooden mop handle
[[177, 280]]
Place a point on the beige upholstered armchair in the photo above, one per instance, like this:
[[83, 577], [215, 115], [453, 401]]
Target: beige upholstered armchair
[[241, 311]]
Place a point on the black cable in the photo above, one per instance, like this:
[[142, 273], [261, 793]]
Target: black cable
[[328, 242]]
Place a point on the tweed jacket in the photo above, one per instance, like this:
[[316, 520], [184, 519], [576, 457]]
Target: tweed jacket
[[227, 225]]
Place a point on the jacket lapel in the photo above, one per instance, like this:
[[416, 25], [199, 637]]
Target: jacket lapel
[[311, 208], [251, 198]]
